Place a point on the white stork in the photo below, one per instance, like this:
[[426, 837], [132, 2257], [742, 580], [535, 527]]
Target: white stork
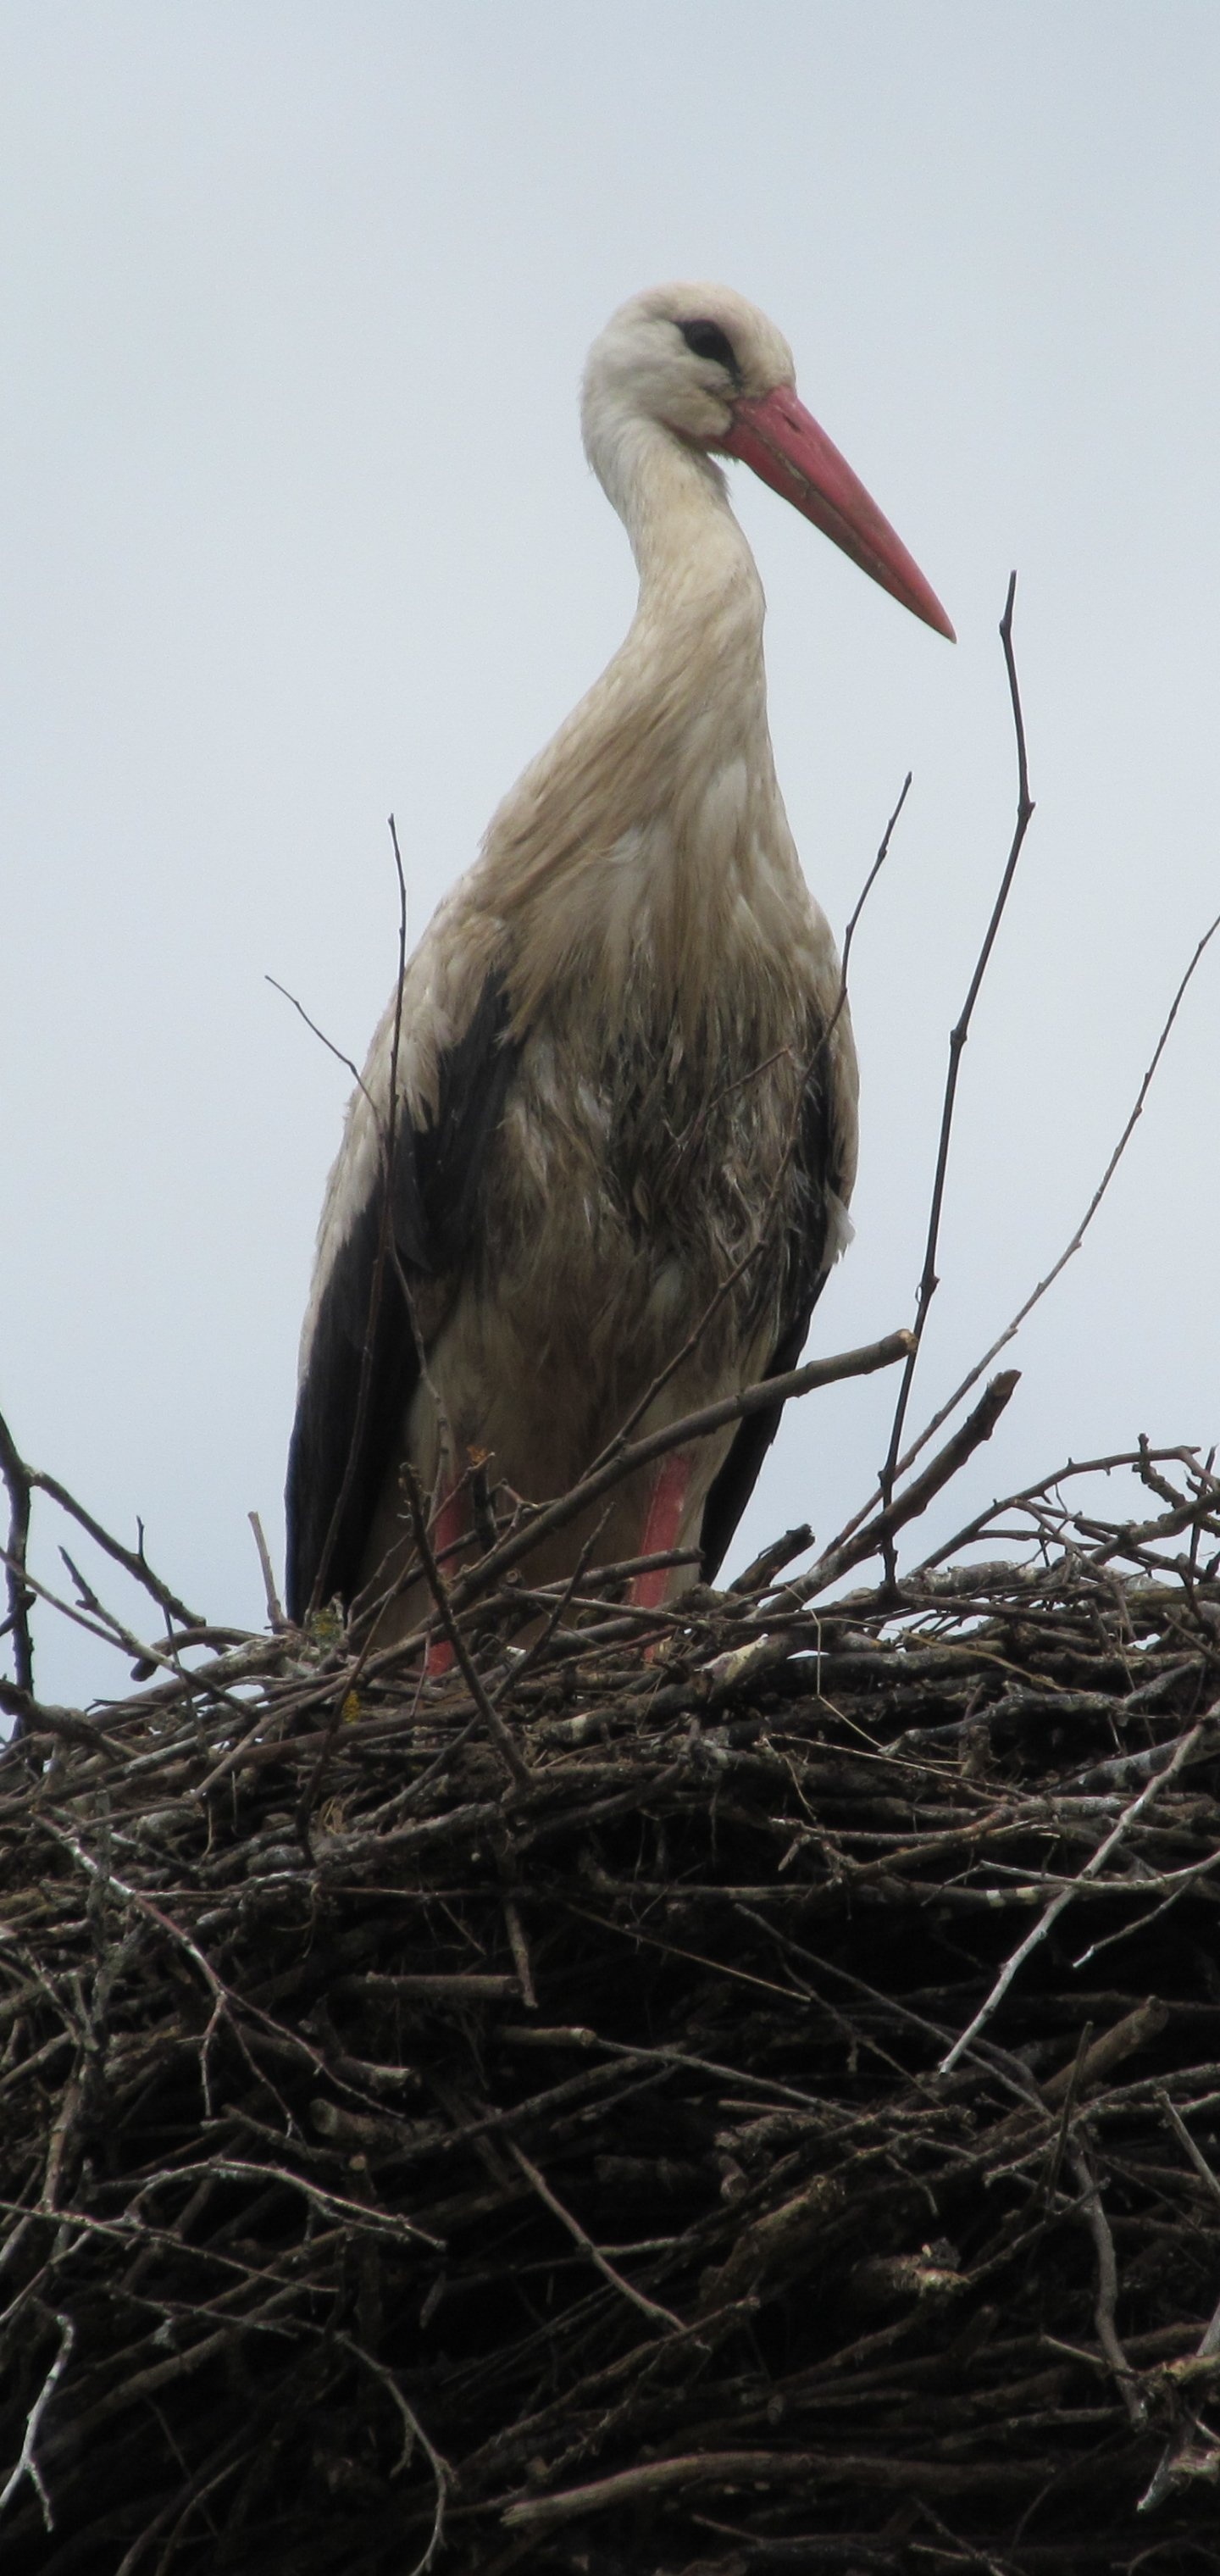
[[620, 1072]]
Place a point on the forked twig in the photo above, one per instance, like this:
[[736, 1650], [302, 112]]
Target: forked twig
[[27, 2465], [657, 2316]]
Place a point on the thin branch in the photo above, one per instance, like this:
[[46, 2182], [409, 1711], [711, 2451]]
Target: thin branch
[[660, 2477], [728, 1672], [977, 1427], [27, 2465], [657, 2316], [133, 1560], [1181, 1754], [18, 1480], [275, 1611], [1104, 2312], [957, 1040], [442, 2474], [340, 1058], [501, 1735], [693, 1426], [865, 891], [933, 1425]]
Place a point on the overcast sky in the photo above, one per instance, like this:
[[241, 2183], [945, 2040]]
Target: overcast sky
[[293, 304]]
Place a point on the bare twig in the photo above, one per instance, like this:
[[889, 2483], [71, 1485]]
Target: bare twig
[[414, 2432], [386, 1137], [27, 2464], [501, 1735], [1070, 1249], [275, 1610], [1107, 2290], [958, 1036], [657, 2316], [1181, 1754], [640, 1453], [18, 1481]]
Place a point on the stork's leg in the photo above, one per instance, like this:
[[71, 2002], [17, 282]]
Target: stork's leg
[[451, 1526], [662, 1521]]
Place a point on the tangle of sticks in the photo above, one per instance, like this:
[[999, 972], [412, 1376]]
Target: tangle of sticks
[[774, 2123]]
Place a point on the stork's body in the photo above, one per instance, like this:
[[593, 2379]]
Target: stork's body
[[626, 1082]]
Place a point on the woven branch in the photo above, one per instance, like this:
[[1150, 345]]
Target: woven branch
[[407, 2163]]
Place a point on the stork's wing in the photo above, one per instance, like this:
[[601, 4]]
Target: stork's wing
[[822, 1150], [362, 1365]]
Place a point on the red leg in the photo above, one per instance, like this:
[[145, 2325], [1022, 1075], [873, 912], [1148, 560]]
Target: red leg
[[662, 1520], [449, 1528]]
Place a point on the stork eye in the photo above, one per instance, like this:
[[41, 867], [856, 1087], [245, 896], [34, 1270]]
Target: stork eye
[[708, 341]]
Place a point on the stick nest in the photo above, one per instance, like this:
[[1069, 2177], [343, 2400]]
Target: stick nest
[[415, 2159]]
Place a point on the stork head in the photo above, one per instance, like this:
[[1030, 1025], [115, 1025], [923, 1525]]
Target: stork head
[[701, 362]]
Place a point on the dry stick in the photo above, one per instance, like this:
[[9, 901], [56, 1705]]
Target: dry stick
[[693, 1426], [34, 1717], [17, 1478], [222, 2000], [22, 1483], [102, 1625], [1182, 2133], [500, 1734], [123, 1641], [441, 2471], [133, 1560], [1023, 1312], [649, 2308], [1181, 1754], [1107, 2290], [507, 1687], [865, 891], [123, 1638], [957, 1039], [1028, 1495], [520, 1949], [728, 1671], [1175, 2463], [759, 1575], [27, 2465], [346, 1061], [275, 1610], [657, 2477], [543, 1519], [839, 1560]]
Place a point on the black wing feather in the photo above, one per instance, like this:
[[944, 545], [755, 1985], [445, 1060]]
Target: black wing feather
[[363, 1365], [807, 1274]]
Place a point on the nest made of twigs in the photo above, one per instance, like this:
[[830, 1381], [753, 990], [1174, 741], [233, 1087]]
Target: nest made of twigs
[[583, 2165]]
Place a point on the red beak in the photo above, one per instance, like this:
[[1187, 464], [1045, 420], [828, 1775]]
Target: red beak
[[782, 441]]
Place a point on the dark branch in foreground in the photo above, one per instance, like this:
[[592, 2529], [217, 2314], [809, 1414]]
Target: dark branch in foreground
[[539, 1523]]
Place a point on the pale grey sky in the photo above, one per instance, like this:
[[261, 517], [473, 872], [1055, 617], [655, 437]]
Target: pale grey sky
[[293, 303]]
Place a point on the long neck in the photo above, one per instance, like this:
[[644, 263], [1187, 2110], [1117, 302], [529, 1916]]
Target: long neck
[[639, 820], [693, 654]]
